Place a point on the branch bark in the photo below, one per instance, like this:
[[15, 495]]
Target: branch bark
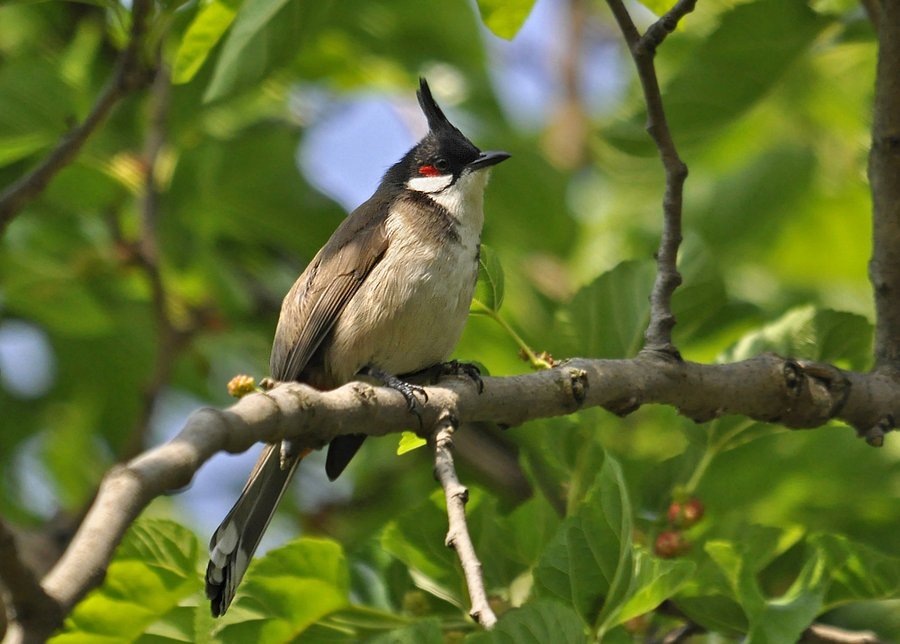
[[658, 337], [769, 388], [458, 538], [884, 168], [32, 607], [130, 74]]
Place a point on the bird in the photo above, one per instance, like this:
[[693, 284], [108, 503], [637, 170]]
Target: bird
[[387, 296]]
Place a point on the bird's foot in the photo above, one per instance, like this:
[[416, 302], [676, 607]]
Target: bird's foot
[[407, 389], [467, 369]]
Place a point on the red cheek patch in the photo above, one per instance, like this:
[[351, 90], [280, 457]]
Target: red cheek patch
[[429, 171]]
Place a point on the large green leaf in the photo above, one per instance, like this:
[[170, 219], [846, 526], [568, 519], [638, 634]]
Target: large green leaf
[[589, 564], [537, 622], [654, 581], [154, 569], [417, 539], [737, 64], [608, 317], [729, 71], [815, 334], [286, 591], [253, 16]]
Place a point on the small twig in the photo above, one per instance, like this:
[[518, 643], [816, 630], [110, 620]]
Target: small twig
[[171, 339], [826, 634], [33, 608], [129, 75], [458, 533], [667, 23], [658, 337]]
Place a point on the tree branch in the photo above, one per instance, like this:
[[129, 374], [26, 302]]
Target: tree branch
[[884, 168], [658, 337], [827, 634], [458, 533], [769, 388], [33, 608], [130, 74]]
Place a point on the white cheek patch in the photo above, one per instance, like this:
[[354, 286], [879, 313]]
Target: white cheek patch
[[430, 184]]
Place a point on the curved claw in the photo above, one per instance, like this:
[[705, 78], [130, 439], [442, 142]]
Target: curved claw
[[467, 369], [407, 389]]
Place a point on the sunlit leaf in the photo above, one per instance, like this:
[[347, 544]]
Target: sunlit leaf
[[286, 591], [201, 36], [252, 17], [504, 17], [154, 569], [410, 441]]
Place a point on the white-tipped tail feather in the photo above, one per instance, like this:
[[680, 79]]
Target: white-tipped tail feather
[[236, 539]]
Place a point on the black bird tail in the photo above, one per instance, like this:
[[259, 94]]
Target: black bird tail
[[236, 539], [340, 451]]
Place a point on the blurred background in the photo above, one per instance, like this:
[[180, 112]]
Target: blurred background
[[152, 268]]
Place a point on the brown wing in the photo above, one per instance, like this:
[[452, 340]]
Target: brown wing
[[316, 300]]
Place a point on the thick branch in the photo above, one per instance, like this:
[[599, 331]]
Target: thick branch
[[129, 74], [34, 610], [658, 337], [768, 388], [884, 168], [458, 533]]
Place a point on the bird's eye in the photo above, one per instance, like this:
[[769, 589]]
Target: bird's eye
[[441, 165]]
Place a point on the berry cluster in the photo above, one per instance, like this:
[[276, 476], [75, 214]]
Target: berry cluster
[[682, 514]]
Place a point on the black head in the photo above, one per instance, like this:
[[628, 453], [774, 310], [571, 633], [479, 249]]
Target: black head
[[443, 155]]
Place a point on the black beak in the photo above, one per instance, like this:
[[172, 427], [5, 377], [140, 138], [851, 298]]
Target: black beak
[[487, 159]]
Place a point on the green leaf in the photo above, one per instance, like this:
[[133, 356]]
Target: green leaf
[[253, 16], [410, 441], [736, 65], [815, 334], [417, 539], [286, 591], [729, 71], [857, 572], [654, 581], [201, 36], [589, 562], [537, 622], [607, 318], [658, 7], [489, 289], [35, 107], [426, 631], [154, 568], [504, 17]]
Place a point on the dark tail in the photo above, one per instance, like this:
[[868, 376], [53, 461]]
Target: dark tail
[[235, 540], [340, 451]]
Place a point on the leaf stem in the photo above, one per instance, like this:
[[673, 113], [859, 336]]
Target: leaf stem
[[537, 363]]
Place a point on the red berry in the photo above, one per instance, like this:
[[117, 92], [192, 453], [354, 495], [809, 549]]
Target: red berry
[[684, 515], [671, 544]]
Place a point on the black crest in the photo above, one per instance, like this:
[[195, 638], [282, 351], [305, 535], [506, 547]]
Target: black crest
[[437, 121]]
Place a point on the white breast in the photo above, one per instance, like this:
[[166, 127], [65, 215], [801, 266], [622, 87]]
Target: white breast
[[410, 311]]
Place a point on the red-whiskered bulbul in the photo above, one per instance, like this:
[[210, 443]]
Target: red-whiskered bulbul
[[388, 295]]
